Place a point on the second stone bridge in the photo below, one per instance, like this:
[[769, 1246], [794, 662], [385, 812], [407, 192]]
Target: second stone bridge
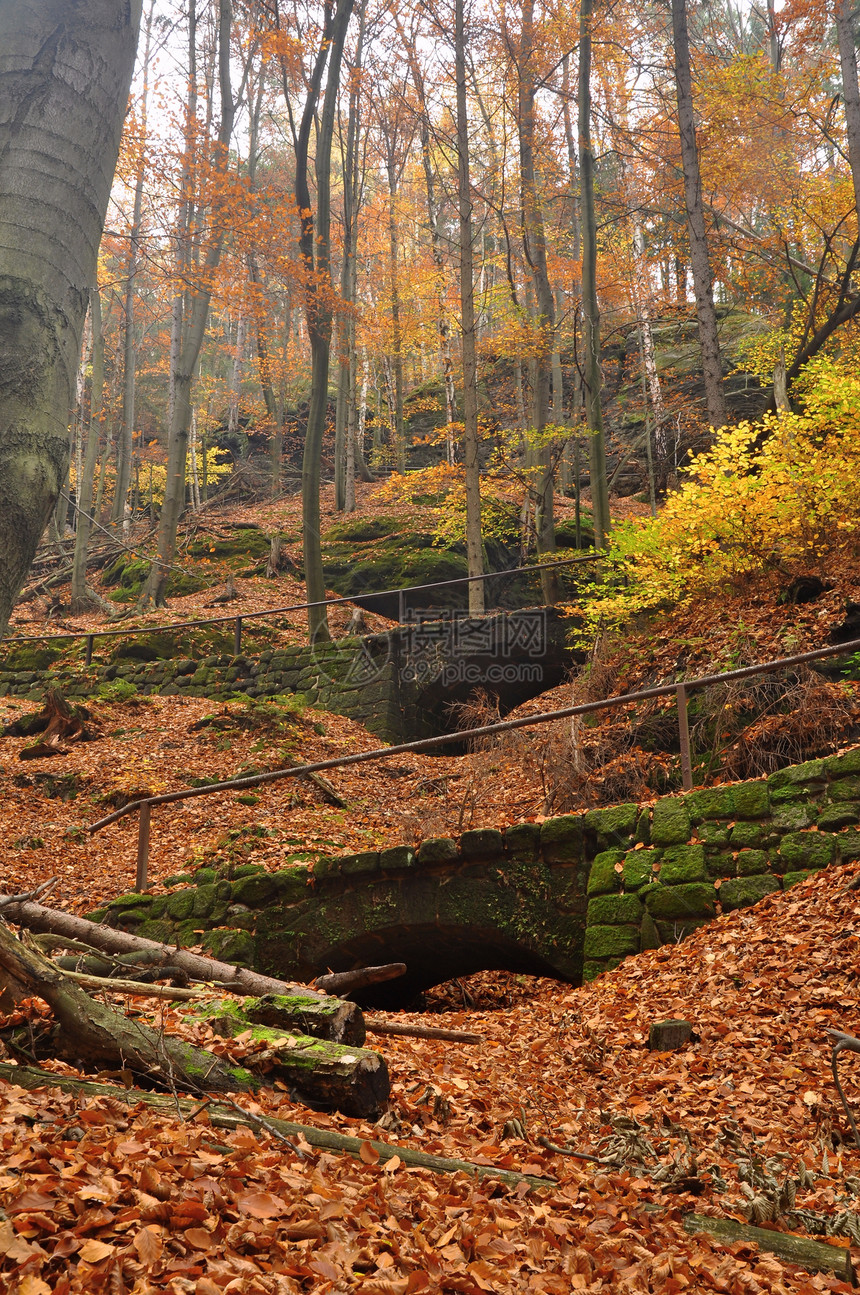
[[568, 898]]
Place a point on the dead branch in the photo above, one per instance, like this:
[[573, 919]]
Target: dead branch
[[345, 982], [843, 1043]]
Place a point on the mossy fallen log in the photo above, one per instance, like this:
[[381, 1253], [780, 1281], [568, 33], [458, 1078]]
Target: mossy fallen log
[[348, 1079], [322, 1016], [223, 1117], [816, 1256]]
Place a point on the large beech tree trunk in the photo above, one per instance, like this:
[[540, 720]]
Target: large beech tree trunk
[[65, 70]]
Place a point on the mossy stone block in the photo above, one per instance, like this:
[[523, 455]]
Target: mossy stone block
[[792, 817], [603, 878], [325, 869], [670, 822], [561, 838], [204, 901], [751, 862], [839, 765], [720, 863], [353, 865], [223, 889], [746, 836], [678, 903], [437, 850], [671, 932], [614, 910], [248, 870], [611, 941], [806, 850], [681, 864], [792, 878], [743, 891], [751, 800], [848, 844], [716, 834], [133, 899], [591, 970], [233, 946], [291, 885], [523, 839], [811, 771], [180, 905], [638, 866], [255, 891], [650, 937], [836, 816], [613, 827], [161, 932], [642, 835], [710, 803], [205, 876], [846, 789], [396, 857], [483, 843]]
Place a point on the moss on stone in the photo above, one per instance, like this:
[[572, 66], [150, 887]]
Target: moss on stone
[[848, 844], [743, 891], [204, 901], [353, 865], [613, 827], [180, 905], [255, 891], [642, 835], [291, 885], [437, 850], [650, 937], [603, 878], [614, 910], [839, 765], [793, 817], [710, 803], [715, 834], [561, 839], [681, 864], [230, 945], [397, 857], [670, 822], [751, 863], [810, 772], [694, 900], [638, 867], [482, 843], [751, 799], [611, 941], [846, 789], [806, 850], [746, 835], [160, 931], [523, 839], [836, 816], [792, 878]]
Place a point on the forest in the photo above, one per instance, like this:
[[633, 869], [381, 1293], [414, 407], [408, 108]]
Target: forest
[[429, 711]]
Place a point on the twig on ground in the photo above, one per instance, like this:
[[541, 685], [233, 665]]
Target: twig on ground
[[6, 900], [843, 1043], [577, 1155]]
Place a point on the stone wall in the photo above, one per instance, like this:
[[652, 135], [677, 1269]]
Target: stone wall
[[569, 897]]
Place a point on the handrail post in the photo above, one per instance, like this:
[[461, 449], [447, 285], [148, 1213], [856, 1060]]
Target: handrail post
[[140, 878], [237, 636], [401, 607], [684, 734], [88, 653]]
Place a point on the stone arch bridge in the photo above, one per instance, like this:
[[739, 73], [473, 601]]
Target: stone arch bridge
[[568, 898]]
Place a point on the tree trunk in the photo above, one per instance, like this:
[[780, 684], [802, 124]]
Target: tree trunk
[[64, 77], [850, 89], [82, 598], [314, 246], [474, 547], [712, 365], [192, 340], [590, 308]]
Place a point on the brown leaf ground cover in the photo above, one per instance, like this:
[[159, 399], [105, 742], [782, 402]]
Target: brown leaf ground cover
[[102, 1196]]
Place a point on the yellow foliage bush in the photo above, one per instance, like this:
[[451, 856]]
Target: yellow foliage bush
[[779, 491]]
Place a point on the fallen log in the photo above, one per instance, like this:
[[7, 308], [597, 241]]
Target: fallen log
[[316, 1014], [352, 1080], [221, 1117], [376, 1025], [345, 982], [816, 1256], [91, 1031]]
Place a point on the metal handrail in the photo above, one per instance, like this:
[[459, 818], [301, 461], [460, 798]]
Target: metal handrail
[[131, 631], [680, 690]]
